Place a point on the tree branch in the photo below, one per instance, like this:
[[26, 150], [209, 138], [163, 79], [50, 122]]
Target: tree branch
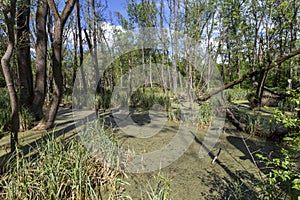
[[54, 10], [248, 75], [67, 10]]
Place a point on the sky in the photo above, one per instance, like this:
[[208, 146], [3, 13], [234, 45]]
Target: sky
[[117, 6]]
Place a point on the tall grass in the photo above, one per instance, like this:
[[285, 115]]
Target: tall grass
[[150, 97], [205, 114], [236, 94], [60, 170], [161, 189], [27, 119]]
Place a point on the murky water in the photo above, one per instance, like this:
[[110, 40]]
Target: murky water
[[235, 172]]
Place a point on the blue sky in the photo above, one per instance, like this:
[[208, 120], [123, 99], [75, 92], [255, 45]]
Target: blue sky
[[117, 6]]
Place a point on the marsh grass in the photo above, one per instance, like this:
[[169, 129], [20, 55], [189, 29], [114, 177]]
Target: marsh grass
[[161, 189], [150, 97], [205, 114], [27, 119], [60, 170], [236, 94]]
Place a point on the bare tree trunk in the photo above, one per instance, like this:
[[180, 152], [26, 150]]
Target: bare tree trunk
[[95, 46], [174, 46], [75, 62], [9, 17], [95, 63], [23, 53], [41, 59], [60, 20], [80, 46], [161, 22]]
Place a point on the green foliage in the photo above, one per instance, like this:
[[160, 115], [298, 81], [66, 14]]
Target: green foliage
[[5, 111], [284, 171], [150, 97], [205, 114], [283, 175], [254, 124], [2, 81], [27, 119], [162, 189], [290, 121], [103, 101], [236, 94], [174, 114], [60, 170]]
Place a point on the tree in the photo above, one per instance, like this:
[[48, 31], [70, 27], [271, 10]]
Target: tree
[[41, 59], [23, 53], [59, 23], [9, 12]]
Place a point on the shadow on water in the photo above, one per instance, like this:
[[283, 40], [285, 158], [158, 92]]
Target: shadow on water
[[250, 149], [229, 188]]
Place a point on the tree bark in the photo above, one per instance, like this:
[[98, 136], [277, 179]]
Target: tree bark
[[23, 53], [80, 48], [9, 18], [41, 59], [59, 22]]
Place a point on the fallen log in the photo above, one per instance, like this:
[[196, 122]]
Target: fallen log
[[230, 116]]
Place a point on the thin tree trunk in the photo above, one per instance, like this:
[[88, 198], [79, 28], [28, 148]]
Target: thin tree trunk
[[80, 48], [95, 46], [174, 45], [23, 53], [41, 60], [9, 17]]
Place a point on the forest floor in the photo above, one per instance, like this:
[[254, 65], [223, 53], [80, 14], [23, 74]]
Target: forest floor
[[234, 175]]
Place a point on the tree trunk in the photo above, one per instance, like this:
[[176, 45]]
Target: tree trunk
[[80, 49], [260, 88], [175, 46], [9, 17], [23, 53], [59, 22], [41, 60]]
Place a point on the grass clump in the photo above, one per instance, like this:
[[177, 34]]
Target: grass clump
[[60, 170], [163, 188]]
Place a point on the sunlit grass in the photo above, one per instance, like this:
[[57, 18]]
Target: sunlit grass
[[60, 170]]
